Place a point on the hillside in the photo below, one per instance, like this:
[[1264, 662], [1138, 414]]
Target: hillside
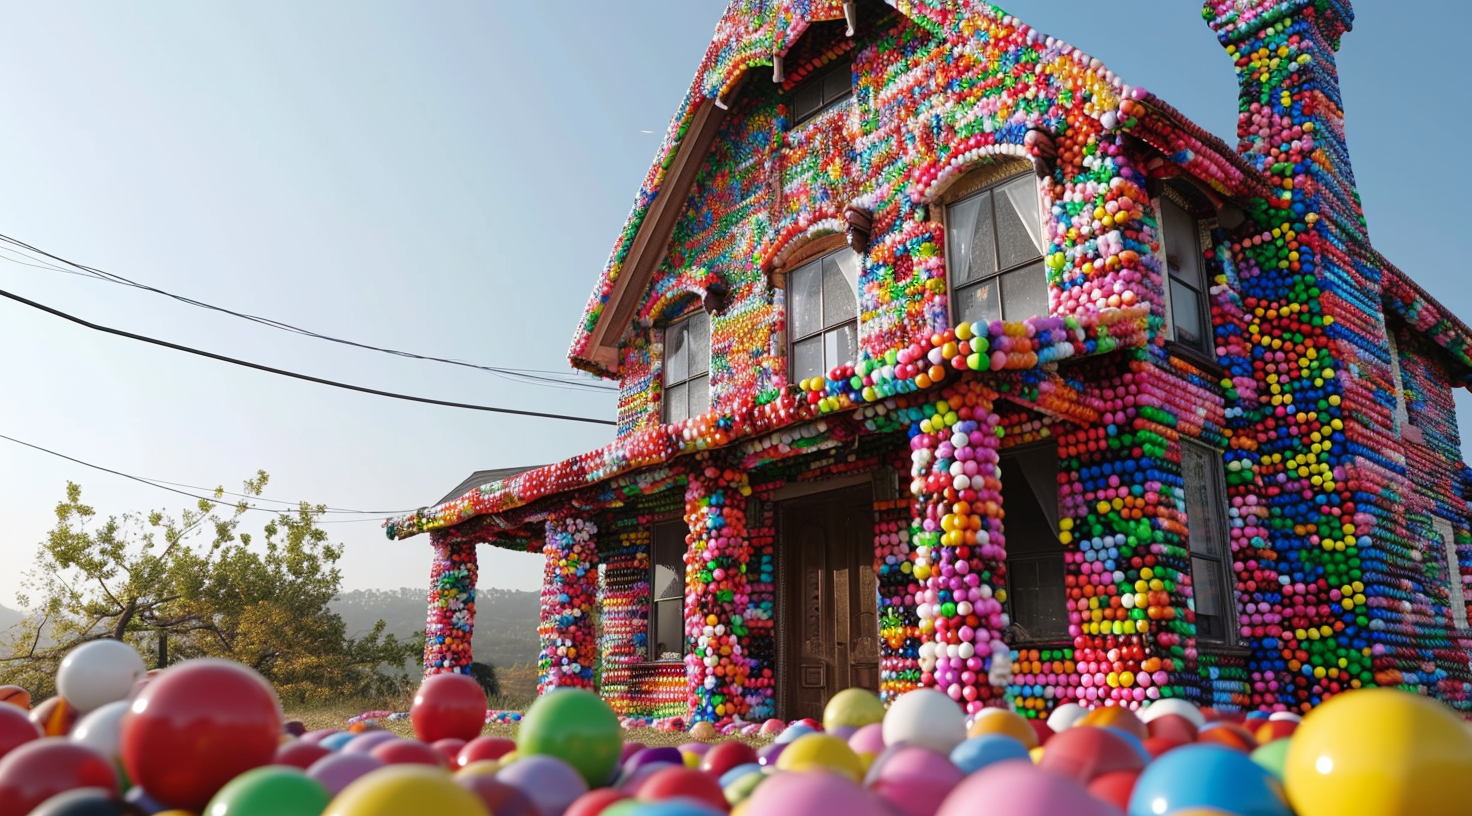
[[505, 620], [10, 617]]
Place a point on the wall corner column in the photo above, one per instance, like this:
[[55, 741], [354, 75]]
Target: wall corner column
[[450, 623], [566, 627]]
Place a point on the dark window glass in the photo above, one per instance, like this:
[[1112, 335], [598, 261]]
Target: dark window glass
[[687, 368], [1203, 477], [822, 305], [825, 88], [1190, 312], [667, 592], [1037, 599], [994, 250]]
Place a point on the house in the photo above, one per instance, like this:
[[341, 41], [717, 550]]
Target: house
[[949, 359]]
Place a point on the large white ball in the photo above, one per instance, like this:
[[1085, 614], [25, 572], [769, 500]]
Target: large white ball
[[97, 673], [102, 730], [1176, 706], [1066, 716], [925, 718]]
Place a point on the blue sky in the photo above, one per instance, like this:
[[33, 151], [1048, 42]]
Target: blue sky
[[446, 178]]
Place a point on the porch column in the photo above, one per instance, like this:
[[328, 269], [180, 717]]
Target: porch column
[[716, 592], [451, 619], [960, 555], [569, 590]]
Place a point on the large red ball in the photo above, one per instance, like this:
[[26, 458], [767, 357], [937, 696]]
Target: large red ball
[[484, 748], [197, 726], [448, 705], [407, 752], [724, 756], [16, 729], [594, 802], [299, 754], [668, 783], [39, 770], [1084, 753]]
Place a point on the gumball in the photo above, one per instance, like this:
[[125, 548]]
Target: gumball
[[55, 717], [1116, 717], [1027, 790], [1227, 734], [1207, 776], [407, 752], [15, 729], [1156, 746], [914, 780], [740, 788], [551, 783], [365, 742], [1379, 751], [673, 782], [853, 707], [97, 673], [592, 803], [1041, 731], [102, 730], [274, 790], [1083, 753], [83, 802], [1066, 716], [480, 767], [769, 754], [739, 771], [499, 798], [576, 726], [405, 789], [449, 748], [802, 794], [15, 696], [448, 705], [1175, 706], [196, 727], [1274, 730], [725, 756], [298, 754], [1001, 721], [38, 770], [792, 732], [926, 718], [1173, 727], [983, 750], [339, 741], [868, 740], [1114, 787], [484, 748], [1273, 756], [821, 752], [337, 771]]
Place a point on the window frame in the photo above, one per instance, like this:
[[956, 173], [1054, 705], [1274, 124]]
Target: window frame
[[1219, 548], [682, 323], [987, 181], [1446, 529], [652, 627], [1401, 415], [818, 78], [789, 302], [1201, 237]]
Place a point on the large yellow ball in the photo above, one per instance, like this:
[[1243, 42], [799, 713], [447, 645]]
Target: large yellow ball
[[1380, 752], [821, 752], [853, 707], [400, 789], [1001, 721]]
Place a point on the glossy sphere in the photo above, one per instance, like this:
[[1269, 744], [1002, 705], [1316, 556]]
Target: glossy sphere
[[337, 771], [197, 726], [576, 726], [271, 791], [814, 752], [299, 754], [499, 798], [999, 721], [407, 752], [1380, 751], [805, 794], [549, 782], [724, 756], [97, 673], [1116, 717], [15, 696], [448, 706], [84, 802], [102, 730], [927, 718], [39, 770], [16, 729], [1084, 753], [914, 780], [673, 782], [593, 802], [55, 717], [1026, 790], [853, 707], [987, 749], [1208, 776], [484, 748], [405, 789]]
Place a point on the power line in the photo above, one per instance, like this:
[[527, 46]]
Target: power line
[[527, 375], [211, 500], [307, 377]]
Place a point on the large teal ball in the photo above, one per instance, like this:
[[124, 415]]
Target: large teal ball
[[577, 727]]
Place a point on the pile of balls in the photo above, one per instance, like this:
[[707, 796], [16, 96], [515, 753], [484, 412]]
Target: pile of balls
[[208, 737]]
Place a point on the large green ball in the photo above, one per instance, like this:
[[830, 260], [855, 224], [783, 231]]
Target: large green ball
[[577, 727], [275, 790]]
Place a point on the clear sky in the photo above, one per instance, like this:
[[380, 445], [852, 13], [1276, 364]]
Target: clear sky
[[447, 178]]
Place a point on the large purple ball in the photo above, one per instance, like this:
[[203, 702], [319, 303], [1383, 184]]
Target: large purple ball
[[337, 771], [549, 782]]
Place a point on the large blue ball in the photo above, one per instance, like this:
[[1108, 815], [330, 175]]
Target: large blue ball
[[1207, 776]]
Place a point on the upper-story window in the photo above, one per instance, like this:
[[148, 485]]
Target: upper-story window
[[822, 314], [687, 368], [994, 251], [1203, 477], [1189, 309], [828, 86]]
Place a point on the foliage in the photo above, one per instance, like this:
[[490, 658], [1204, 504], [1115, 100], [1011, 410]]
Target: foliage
[[485, 675], [205, 589]]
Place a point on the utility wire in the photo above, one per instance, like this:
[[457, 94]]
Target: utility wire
[[257, 366], [211, 500], [528, 375]]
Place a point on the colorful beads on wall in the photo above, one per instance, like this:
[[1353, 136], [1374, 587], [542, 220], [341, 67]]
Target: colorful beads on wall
[[716, 592], [899, 626], [1042, 679], [761, 611], [569, 589], [623, 617], [452, 577]]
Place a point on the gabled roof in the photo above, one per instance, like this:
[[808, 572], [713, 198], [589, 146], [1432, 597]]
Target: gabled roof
[[481, 478]]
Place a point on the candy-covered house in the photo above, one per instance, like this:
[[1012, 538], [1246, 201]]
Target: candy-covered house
[[949, 359]]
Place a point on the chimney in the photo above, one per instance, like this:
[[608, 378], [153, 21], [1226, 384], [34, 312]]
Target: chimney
[[1289, 107]]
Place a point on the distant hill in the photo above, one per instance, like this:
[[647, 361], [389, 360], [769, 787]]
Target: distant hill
[[10, 617], [505, 620]]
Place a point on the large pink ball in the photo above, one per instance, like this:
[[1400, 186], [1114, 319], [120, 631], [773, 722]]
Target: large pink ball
[[915, 780], [1023, 790], [809, 792]]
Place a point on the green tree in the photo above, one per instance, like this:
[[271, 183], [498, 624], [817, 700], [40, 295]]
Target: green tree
[[202, 587]]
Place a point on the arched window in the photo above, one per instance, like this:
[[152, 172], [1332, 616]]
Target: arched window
[[994, 249], [686, 368], [822, 314]]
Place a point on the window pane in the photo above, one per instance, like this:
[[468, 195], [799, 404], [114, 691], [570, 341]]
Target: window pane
[[1182, 245], [1185, 313], [839, 301], [1206, 575], [668, 638], [838, 347], [1019, 228], [807, 359], [676, 338], [1038, 599], [698, 348], [1024, 293], [668, 558], [838, 83], [970, 243], [699, 394], [806, 101], [676, 407], [978, 303], [805, 300]]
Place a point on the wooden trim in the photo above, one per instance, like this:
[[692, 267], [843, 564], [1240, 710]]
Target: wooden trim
[[797, 490], [810, 249], [998, 168]]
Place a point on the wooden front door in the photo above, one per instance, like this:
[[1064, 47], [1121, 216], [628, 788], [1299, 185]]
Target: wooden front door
[[830, 599]]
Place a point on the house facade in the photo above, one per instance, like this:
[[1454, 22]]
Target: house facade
[[949, 359]]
